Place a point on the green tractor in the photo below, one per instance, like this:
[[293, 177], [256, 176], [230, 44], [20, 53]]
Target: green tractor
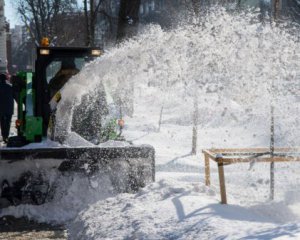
[[38, 94]]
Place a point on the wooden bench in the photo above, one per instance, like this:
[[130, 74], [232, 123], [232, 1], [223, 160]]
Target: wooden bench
[[244, 155]]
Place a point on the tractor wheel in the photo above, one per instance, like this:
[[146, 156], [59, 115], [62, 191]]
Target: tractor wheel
[[16, 141]]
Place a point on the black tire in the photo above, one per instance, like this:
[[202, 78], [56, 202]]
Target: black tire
[[16, 141]]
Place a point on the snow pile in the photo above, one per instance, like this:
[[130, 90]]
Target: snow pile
[[44, 144], [174, 210], [73, 193], [112, 144], [73, 139]]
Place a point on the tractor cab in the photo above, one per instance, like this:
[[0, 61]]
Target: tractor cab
[[38, 92]]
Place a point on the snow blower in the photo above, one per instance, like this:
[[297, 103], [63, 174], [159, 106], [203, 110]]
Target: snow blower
[[23, 162]]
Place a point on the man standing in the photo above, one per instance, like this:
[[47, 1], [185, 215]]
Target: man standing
[[6, 106]]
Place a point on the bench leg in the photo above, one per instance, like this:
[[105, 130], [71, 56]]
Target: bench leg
[[222, 183]]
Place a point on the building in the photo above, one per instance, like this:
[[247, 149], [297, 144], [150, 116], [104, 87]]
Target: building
[[17, 36], [8, 48], [22, 49]]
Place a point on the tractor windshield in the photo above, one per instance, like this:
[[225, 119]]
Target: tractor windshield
[[54, 67], [60, 70]]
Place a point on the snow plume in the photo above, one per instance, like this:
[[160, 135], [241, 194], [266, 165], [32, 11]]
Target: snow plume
[[234, 64]]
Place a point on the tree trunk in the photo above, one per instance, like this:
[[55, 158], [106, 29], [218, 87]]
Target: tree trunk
[[93, 16], [160, 117], [195, 124], [196, 7], [272, 139], [87, 23], [276, 8], [272, 142], [128, 19], [272, 146]]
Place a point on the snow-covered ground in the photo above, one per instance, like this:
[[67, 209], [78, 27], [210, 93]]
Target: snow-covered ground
[[236, 62], [175, 210], [178, 205]]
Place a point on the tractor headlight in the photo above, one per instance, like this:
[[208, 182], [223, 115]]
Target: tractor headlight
[[96, 52]]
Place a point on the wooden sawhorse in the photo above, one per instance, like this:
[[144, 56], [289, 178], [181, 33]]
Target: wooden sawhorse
[[244, 155]]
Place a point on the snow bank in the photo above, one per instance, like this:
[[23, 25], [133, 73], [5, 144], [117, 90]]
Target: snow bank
[[73, 194], [176, 210]]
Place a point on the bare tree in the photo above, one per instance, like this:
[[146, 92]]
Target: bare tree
[[91, 11], [100, 15], [196, 7], [38, 15], [69, 29], [192, 7], [276, 9], [128, 19]]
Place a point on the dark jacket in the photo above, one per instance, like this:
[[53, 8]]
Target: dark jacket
[[6, 98]]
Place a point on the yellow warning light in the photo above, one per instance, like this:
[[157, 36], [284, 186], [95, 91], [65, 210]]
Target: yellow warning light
[[45, 42]]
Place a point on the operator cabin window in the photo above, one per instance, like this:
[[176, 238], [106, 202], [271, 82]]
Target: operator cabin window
[[55, 66], [52, 69], [60, 71]]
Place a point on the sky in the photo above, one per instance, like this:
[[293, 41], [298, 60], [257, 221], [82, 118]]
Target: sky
[[10, 13]]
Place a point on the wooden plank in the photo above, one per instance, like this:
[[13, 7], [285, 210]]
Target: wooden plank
[[210, 154], [222, 183], [262, 159], [250, 154], [294, 149], [261, 154], [229, 150], [207, 170], [286, 153], [254, 150]]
